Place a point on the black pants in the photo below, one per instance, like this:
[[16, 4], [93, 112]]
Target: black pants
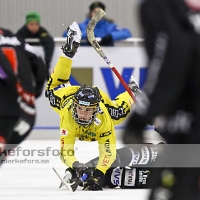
[[6, 131], [14, 130], [6, 127]]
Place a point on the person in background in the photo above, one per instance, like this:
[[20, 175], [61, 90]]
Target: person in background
[[105, 29], [33, 29]]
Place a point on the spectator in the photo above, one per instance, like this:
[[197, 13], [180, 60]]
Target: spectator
[[33, 29], [108, 31]]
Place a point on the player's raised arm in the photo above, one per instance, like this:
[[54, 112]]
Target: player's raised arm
[[60, 76]]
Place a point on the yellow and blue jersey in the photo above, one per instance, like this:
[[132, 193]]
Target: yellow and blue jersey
[[60, 94]]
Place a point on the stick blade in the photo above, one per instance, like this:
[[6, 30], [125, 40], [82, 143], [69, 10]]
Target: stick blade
[[68, 185], [75, 185], [90, 31], [92, 23]]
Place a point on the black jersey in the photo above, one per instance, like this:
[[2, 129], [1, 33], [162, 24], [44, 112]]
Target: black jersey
[[46, 40], [21, 75], [172, 90]]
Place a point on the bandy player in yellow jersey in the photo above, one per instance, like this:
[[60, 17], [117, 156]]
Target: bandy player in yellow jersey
[[85, 112]]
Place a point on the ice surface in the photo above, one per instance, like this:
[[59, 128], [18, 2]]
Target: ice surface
[[37, 181]]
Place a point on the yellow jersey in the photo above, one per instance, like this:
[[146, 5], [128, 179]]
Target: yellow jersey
[[60, 94]]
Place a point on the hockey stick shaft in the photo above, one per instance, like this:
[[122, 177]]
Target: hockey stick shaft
[[90, 35]]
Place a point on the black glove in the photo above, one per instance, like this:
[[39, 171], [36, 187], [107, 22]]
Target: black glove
[[133, 133], [80, 169], [95, 182], [106, 41]]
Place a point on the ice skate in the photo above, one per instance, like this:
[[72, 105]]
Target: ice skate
[[70, 176], [73, 40]]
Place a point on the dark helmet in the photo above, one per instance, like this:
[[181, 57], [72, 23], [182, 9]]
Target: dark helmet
[[88, 97]]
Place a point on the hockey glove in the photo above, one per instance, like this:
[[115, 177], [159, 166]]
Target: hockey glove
[[95, 183], [107, 41], [80, 169]]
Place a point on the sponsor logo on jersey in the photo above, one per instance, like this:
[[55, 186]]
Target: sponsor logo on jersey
[[135, 158], [100, 111], [63, 132], [154, 153], [105, 134], [97, 121], [117, 113], [22, 127], [65, 103], [86, 135], [24, 95], [106, 158], [92, 134], [62, 86], [130, 175], [25, 107], [116, 176], [62, 142], [145, 155], [105, 161], [107, 146], [143, 175]]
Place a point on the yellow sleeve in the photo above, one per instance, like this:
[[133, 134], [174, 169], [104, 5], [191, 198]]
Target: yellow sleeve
[[107, 150], [67, 141], [119, 108], [60, 74], [58, 80]]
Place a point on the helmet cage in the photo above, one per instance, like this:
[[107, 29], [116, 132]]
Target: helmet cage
[[88, 97], [82, 121]]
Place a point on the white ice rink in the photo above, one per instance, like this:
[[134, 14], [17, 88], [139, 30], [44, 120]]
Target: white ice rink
[[37, 181]]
